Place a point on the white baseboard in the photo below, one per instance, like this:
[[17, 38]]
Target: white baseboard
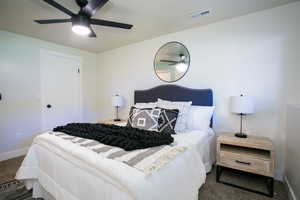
[[13, 154], [291, 191]]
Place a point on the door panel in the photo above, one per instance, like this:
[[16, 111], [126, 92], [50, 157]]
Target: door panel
[[60, 90]]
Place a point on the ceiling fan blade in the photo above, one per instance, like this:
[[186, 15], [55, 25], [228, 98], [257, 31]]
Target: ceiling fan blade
[[93, 6], [169, 61], [53, 21], [92, 34], [59, 7], [110, 23]]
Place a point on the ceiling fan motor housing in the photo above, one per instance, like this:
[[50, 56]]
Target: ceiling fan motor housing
[[82, 3], [81, 20]]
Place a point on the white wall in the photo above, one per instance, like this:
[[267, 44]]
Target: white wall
[[20, 108], [293, 148], [293, 80], [292, 121], [249, 54]]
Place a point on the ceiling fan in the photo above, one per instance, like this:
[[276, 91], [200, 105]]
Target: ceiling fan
[[81, 22], [180, 65], [173, 62]]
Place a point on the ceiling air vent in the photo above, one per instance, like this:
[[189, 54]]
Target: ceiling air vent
[[200, 13]]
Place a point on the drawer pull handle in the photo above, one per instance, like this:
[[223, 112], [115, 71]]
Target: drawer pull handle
[[245, 163]]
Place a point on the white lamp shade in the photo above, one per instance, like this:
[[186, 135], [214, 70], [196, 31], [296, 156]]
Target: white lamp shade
[[242, 105], [117, 101]]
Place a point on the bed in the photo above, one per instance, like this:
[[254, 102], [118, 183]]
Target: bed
[[58, 169]]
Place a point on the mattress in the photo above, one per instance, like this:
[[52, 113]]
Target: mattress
[[204, 142], [57, 174]]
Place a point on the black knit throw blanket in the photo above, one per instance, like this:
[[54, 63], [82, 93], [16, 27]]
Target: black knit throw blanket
[[126, 138]]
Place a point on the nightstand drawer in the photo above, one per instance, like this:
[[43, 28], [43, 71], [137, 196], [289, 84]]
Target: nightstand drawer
[[245, 163]]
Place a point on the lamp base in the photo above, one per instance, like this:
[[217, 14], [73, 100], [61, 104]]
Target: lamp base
[[117, 120], [241, 135]]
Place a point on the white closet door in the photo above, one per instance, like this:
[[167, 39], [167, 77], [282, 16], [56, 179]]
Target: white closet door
[[60, 77]]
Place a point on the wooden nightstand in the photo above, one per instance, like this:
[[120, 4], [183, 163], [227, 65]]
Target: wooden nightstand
[[113, 122], [253, 155]]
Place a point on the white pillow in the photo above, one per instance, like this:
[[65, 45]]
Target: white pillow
[[145, 105], [199, 117], [183, 107]]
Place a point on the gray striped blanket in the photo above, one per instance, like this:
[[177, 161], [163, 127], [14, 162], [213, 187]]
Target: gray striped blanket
[[147, 160]]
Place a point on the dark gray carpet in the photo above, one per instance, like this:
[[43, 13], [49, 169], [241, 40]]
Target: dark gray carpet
[[212, 190]]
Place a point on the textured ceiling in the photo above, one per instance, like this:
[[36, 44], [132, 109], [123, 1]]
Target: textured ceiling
[[150, 19]]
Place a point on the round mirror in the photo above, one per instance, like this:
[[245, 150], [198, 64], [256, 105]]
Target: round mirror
[[171, 62]]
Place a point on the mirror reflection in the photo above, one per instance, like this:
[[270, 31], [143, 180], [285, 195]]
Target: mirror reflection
[[172, 62]]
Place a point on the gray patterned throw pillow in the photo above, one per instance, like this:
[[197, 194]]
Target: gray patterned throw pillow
[[144, 118], [167, 120]]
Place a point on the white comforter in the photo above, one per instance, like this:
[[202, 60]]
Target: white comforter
[[69, 172]]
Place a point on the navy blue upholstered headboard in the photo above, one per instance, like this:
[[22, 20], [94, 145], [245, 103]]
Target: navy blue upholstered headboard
[[199, 97]]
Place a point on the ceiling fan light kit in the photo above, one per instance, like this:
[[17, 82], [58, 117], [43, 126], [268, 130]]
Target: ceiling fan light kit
[[81, 22], [81, 30], [81, 25]]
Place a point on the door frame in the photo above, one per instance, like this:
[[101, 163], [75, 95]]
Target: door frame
[[44, 52]]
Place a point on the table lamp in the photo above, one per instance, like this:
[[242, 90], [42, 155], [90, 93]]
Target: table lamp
[[117, 102], [242, 105]]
